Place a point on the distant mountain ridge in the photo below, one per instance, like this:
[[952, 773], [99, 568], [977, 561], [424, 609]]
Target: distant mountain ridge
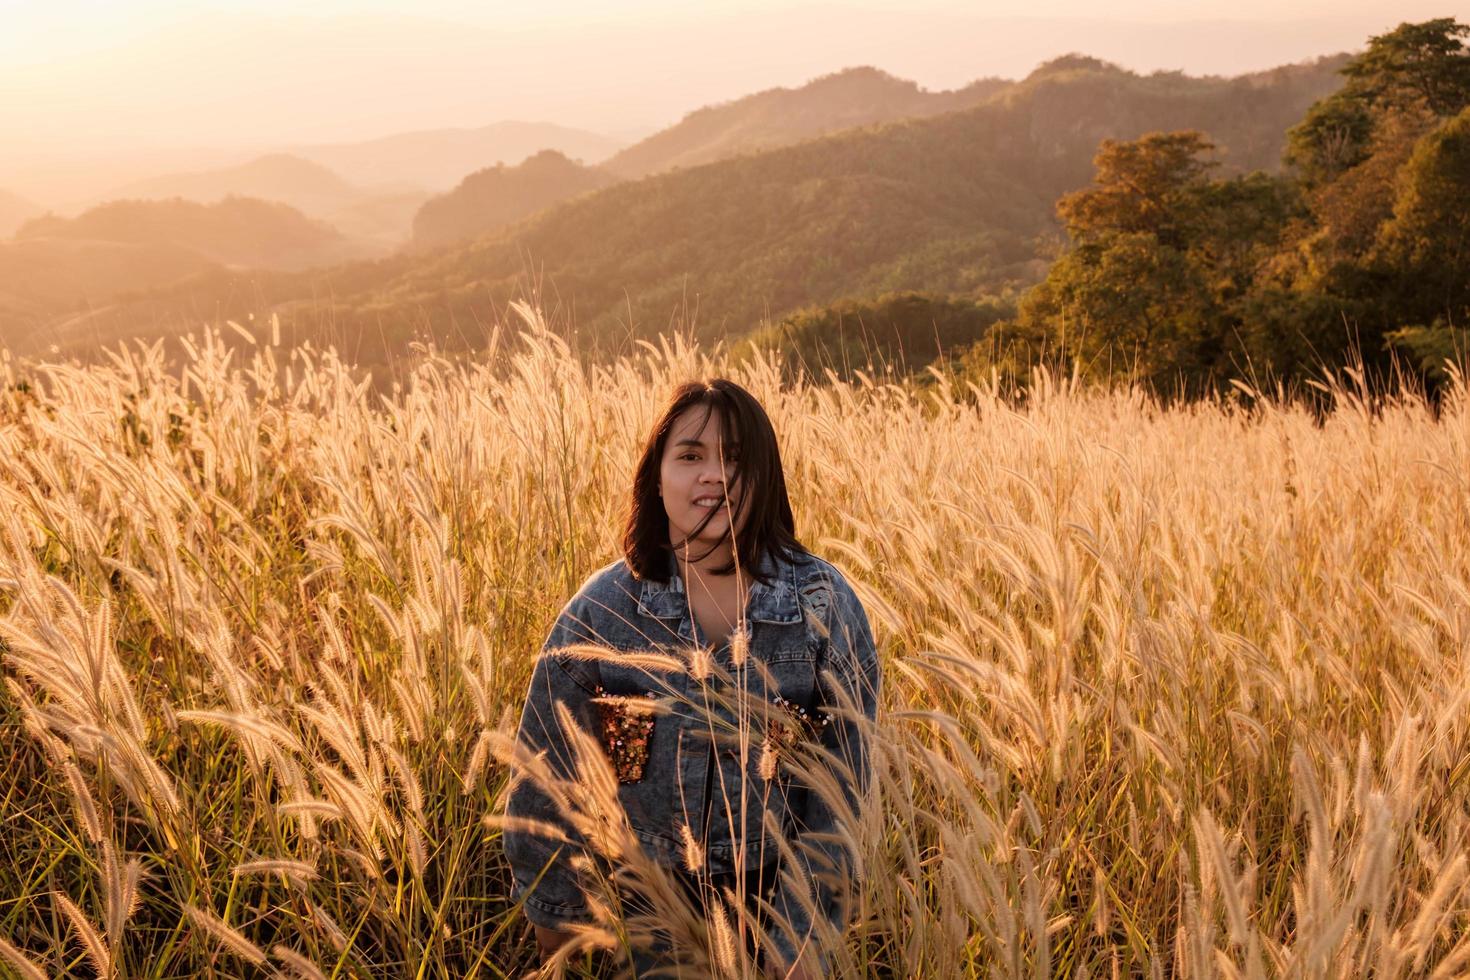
[[304, 185], [491, 199], [438, 159], [378, 218], [236, 231], [777, 117], [495, 197]]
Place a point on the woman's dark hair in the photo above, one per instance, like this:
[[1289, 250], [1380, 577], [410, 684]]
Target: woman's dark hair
[[769, 526]]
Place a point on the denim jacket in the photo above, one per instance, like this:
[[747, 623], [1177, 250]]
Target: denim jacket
[[809, 630]]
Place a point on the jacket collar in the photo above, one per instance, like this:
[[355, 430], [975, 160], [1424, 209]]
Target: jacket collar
[[774, 603]]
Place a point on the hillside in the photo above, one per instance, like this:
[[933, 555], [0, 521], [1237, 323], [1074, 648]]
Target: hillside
[[959, 203], [304, 185], [235, 231], [782, 116], [14, 211], [438, 159], [488, 200]]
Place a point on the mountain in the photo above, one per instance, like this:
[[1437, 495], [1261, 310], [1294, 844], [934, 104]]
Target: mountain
[[377, 218], [951, 204], [960, 203], [438, 159], [492, 198], [14, 211], [304, 185], [781, 116], [237, 231], [488, 200]]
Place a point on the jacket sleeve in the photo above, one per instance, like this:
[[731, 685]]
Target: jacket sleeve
[[544, 876], [828, 863]]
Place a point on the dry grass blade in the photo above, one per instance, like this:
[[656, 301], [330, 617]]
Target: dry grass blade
[[24, 967], [97, 949], [228, 937]]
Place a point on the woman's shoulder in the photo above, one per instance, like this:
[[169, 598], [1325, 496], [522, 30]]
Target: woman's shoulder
[[609, 583], [819, 582], [815, 568], [599, 611]]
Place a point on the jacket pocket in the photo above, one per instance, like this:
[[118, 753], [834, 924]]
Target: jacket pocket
[[787, 727], [625, 728]]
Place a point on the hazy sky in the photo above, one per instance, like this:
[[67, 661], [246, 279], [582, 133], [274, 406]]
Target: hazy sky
[[83, 82]]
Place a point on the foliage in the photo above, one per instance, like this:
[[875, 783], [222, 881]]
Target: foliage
[[1161, 266], [1424, 247], [1439, 349], [894, 333], [1136, 188], [1423, 63], [1187, 281], [1416, 66]]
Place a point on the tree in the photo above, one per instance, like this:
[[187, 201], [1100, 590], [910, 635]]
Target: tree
[[1412, 70], [1136, 187], [1125, 304], [1425, 246], [1162, 264], [1330, 140], [1423, 63]]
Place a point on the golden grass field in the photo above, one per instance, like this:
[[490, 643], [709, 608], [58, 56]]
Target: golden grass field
[[1168, 691]]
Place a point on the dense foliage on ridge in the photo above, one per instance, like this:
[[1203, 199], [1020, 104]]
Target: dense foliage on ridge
[[1186, 280]]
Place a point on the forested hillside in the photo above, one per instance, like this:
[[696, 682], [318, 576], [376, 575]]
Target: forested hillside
[[56, 290], [494, 197], [960, 203]]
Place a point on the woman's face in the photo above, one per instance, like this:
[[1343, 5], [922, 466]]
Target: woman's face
[[697, 477]]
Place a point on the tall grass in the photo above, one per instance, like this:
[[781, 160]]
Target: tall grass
[[1168, 692]]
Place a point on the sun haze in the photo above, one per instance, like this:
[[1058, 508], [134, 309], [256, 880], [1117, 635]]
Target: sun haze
[[125, 85]]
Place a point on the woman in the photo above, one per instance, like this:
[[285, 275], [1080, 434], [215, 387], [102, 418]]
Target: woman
[[773, 661]]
